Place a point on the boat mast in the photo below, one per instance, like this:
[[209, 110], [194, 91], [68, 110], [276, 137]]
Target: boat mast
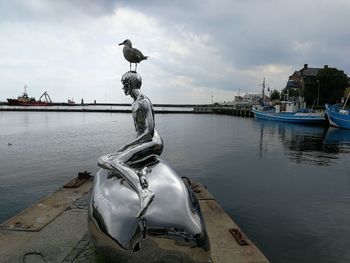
[[346, 101], [263, 92], [25, 95]]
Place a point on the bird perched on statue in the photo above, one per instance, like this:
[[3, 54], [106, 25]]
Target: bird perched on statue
[[133, 55]]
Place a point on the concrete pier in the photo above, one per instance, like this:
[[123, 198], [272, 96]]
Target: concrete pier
[[234, 111], [55, 230], [48, 230], [125, 108], [106, 108]]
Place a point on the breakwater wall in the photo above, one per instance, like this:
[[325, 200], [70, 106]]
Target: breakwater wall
[[234, 111], [126, 108], [112, 108]]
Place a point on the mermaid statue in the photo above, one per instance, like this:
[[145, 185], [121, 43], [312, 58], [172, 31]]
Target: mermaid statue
[[147, 145], [140, 209]]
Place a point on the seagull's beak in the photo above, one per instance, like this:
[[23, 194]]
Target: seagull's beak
[[121, 44]]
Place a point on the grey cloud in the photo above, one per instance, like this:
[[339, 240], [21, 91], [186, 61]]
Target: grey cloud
[[256, 33], [54, 11], [242, 35]]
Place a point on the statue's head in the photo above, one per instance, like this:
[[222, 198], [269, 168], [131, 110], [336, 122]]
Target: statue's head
[[131, 80]]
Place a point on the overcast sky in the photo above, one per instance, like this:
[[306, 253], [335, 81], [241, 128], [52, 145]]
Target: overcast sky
[[197, 49]]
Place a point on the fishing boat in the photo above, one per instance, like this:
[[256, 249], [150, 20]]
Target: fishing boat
[[293, 110], [338, 116], [301, 115], [70, 101], [25, 100]]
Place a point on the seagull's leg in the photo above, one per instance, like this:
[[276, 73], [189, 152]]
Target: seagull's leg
[[130, 66], [135, 67]]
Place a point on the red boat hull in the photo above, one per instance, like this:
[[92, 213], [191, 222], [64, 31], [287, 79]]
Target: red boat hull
[[15, 102]]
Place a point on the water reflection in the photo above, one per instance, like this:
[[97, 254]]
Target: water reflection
[[337, 136], [264, 174], [312, 145]]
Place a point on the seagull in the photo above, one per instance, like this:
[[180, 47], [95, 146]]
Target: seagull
[[133, 55], [9, 144]]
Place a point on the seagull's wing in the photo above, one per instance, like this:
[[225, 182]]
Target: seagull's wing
[[138, 54]]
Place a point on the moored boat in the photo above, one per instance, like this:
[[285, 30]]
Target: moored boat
[[295, 113], [25, 100], [338, 116]]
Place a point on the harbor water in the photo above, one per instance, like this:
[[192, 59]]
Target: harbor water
[[287, 186]]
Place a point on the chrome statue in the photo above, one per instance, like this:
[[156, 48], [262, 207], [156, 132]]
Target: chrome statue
[[140, 209], [148, 143]]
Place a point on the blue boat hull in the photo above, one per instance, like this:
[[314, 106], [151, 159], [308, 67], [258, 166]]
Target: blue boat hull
[[292, 118], [337, 119]]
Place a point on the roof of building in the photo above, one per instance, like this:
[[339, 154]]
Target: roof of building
[[310, 71], [305, 71]]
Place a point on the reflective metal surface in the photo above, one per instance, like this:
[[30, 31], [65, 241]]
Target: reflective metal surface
[[148, 143], [141, 210]]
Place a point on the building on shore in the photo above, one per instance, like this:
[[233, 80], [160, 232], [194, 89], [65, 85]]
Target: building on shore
[[306, 82], [303, 77], [249, 98]]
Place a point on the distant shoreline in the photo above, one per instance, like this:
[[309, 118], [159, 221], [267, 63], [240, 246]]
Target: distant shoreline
[[108, 107], [117, 104]]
